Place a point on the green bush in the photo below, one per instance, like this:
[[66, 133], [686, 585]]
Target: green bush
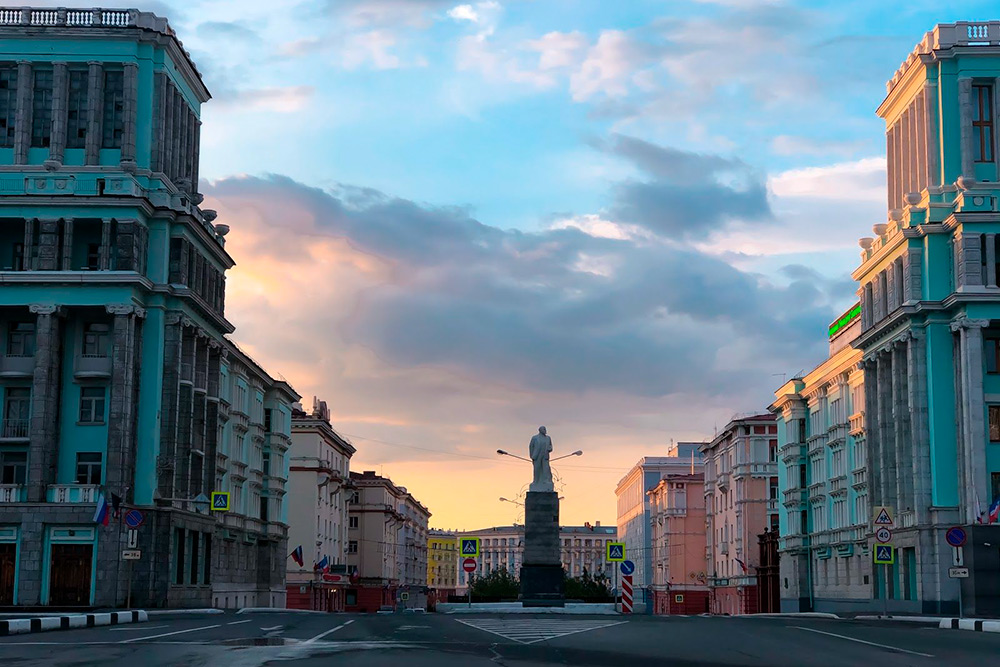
[[498, 584], [588, 588]]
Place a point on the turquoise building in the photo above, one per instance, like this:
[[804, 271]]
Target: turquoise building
[[116, 376]]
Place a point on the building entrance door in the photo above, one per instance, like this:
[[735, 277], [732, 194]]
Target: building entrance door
[[8, 565], [69, 574]]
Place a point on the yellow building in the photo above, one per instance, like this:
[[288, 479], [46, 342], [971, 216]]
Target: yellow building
[[442, 560]]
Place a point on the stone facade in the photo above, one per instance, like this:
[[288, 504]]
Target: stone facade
[[634, 511], [823, 481], [741, 487], [115, 368], [319, 487]]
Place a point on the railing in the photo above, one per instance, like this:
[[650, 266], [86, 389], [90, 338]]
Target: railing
[[675, 511], [724, 547], [72, 493], [859, 477], [11, 493], [93, 365], [723, 479], [15, 428], [115, 18], [200, 379], [857, 423], [17, 365], [276, 530], [907, 519], [838, 484], [772, 504]]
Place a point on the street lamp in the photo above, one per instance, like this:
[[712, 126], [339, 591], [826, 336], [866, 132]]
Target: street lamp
[[578, 452], [503, 453], [513, 502]]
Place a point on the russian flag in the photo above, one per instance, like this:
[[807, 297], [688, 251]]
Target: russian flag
[[101, 515], [297, 556], [994, 511], [321, 565]]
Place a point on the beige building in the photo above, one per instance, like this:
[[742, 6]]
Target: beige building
[[319, 481], [386, 543], [502, 547], [741, 500], [677, 524]]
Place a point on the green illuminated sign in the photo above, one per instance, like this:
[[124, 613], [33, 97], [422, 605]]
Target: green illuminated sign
[[849, 316]]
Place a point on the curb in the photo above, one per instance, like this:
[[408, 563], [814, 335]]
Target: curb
[[22, 626], [279, 610], [180, 612], [969, 624], [793, 614]]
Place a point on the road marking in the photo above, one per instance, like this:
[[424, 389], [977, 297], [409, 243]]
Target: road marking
[[169, 634], [133, 628], [238, 622], [276, 627], [862, 641], [534, 630], [328, 632]]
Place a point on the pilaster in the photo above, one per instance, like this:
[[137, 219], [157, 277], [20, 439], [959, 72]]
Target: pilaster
[[95, 117], [991, 260], [919, 433], [970, 408], [22, 122], [123, 398], [106, 249], [44, 443], [965, 122], [67, 245], [130, 110], [60, 91]]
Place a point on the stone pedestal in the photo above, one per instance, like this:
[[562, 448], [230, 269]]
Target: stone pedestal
[[541, 573]]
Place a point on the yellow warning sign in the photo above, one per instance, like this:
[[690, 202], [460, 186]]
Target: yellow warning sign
[[883, 515]]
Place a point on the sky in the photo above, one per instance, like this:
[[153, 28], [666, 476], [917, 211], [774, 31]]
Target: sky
[[627, 221]]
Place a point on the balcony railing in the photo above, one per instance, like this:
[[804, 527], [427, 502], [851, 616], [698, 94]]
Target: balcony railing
[[11, 493], [15, 429], [72, 493], [17, 366], [27, 16], [859, 477], [276, 530], [772, 504], [857, 423], [907, 519], [838, 484], [92, 365]]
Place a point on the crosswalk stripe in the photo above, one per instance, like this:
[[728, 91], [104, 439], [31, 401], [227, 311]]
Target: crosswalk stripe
[[531, 631]]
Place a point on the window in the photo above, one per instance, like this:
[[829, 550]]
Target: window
[[17, 257], [994, 412], [773, 488], [352, 522], [114, 108], [802, 476], [265, 463], [982, 123], [355, 498], [92, 405], [352, 547], [21, 339], [88, 467], [41, 109], [76, 109], [179, 556], [95, 339], [206, 539], [263, 508], [193, 570], [8, 105], [772, 453], [13, 467], [93, 256], [267, 421], [16, 412]]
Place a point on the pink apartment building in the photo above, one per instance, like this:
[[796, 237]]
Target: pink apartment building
[[677, 526], [741, 491]]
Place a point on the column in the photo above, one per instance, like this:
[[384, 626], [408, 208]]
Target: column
[[22, 119], [166, 463], [891, 166], [95, 115], [67, 246], [167, 153], [123, 396], [991, 260], [29, 244], [930, 104], [105, 253], [886, 435], [44, 444], [130, 109], [919, 435], [159, 118], [196, 159], [973, 394], [901, 427], [965, 122], [176, 141], [60, 91]]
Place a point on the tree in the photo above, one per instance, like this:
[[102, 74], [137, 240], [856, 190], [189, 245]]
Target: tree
[[588, 588], [498, 584]]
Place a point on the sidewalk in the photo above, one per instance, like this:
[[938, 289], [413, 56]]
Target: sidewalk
[[516, 608]]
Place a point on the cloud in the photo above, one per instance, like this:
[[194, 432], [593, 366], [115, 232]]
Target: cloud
[[386, 13], [301, 47], [606, 70], [286, 99], [228, 29], [860, 180], [789, 145], [557, 50], [686, 195], [371, 47]]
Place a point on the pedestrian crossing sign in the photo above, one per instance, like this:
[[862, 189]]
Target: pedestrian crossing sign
[[884, 554], [470, 547], [616, 552], [220, 501]]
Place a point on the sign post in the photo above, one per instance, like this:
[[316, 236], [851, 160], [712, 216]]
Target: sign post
[[615, 553], [469, 565], [468, 547], [627, 567], [884, 554], [956, 537]]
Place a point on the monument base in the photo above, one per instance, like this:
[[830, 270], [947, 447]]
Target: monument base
[[542, 586], [542, 572]]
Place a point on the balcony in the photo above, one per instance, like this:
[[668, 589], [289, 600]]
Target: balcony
[[276, 531], [675, 511], [766, 469], [11, 493], [859, 478], [907, 519], [838, 484], [234, 521], [72, 493], [722, 481], [816, 442], [15, 429], [724, 547], [772, 504], [92, 366], [856, 424], [254, 525], [201, 380], [16, 366]]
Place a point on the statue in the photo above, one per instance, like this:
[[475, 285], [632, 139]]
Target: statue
[[539, 450]]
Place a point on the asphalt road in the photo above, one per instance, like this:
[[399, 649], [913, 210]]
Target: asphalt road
[[416, 640]]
